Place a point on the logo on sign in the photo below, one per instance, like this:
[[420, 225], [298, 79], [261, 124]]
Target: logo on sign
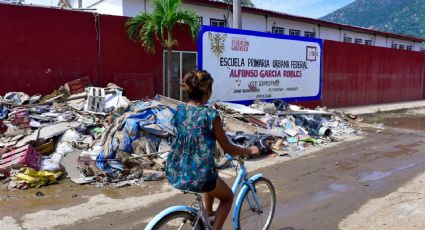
[[311, 53], [217, 42], [240, 44]]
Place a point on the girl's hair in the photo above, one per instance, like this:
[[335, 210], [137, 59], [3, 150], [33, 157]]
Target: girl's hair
[[197, 83]]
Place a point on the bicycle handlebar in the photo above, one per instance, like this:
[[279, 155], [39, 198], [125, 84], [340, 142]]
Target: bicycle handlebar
[[229, 159]]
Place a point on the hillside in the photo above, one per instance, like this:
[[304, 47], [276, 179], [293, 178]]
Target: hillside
[[397, 16]]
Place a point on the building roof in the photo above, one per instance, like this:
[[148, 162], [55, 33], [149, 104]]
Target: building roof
[[222, 5]]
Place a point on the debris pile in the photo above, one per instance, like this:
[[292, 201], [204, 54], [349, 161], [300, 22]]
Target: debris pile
[[89, 134], [96, 135], [282, 128]]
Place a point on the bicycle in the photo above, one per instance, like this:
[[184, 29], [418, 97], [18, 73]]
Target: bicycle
[[252, 210]]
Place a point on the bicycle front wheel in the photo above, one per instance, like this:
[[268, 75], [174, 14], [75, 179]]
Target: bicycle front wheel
[[179, 220], [252, 217]]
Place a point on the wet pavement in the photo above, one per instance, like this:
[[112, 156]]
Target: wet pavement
[[417, 123], [347, 177], [315, 191]]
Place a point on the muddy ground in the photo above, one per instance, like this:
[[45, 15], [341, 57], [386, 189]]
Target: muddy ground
[[373, 181]]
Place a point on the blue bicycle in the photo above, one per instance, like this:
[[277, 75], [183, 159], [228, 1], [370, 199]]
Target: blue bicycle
[[254, 206]]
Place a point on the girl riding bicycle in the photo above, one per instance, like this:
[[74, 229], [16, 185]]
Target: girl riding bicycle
[[191, 165]]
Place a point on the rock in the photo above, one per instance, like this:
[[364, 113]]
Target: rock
[[39, 194]]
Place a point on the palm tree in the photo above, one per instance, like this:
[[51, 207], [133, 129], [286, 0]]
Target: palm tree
[[245, 3], [158, 25]]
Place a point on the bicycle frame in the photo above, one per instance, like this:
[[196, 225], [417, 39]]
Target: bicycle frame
[[242, 183], [245, 184]]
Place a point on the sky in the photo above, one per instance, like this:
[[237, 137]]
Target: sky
[[306, 8]]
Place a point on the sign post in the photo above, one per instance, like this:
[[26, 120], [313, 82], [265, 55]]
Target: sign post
[[237, 14], [250, 65]]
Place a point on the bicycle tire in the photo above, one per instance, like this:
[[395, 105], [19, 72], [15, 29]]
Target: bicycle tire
[[246, 225], [167, 220]]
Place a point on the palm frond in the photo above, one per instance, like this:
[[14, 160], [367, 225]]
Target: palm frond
[[141, 28], [191, 20], [146, 27]]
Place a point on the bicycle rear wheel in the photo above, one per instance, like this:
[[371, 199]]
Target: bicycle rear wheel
[[250, 216], [179, 220]]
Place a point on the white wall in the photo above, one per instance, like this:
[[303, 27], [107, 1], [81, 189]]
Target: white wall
[[291, 25], [112, 7], [208, 13], [88, 3], [133, 7], [381, 41], [415, 46], [250, 21], [85, 3], [329, 33], [253, 22], [400, 42], [356, 35]]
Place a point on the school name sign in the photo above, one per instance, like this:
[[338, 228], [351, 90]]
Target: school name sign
[[248, 65]]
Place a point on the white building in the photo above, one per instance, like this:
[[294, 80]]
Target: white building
[[220, 14], [10, 1]]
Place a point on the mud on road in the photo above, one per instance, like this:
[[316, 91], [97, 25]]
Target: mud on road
[[328, 189]]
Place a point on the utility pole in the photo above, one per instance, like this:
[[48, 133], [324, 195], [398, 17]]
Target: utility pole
[[237, 14]]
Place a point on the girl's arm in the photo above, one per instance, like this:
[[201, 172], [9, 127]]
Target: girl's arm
[[228, 147]]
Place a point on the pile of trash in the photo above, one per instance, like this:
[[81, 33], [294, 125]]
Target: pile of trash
[[283, 129], [96, 135], [90, 134]]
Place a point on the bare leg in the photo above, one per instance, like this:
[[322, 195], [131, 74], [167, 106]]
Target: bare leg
[[209, 200], [225, 195]]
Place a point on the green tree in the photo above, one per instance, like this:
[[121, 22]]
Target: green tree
[[147, 27], [245, 3]]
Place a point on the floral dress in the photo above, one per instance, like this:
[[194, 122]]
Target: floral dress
[[191, 162]]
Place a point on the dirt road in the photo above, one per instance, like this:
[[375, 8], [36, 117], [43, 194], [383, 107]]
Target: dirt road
[[373, 182]]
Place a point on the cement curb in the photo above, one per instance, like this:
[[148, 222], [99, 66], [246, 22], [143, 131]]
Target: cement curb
[[369, 109]]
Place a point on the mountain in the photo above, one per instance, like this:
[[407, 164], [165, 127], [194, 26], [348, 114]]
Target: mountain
[[397, 16]]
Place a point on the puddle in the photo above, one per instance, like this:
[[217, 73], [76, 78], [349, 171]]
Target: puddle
[[294, 206], [405, 166], [323, 195], [339, 187], [376, 175], [332, 190], [415, 123]]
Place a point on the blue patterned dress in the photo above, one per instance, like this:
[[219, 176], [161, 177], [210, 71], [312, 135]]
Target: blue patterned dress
[[191, 162]]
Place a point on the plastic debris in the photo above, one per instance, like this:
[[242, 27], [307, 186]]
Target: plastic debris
[[34, 178]]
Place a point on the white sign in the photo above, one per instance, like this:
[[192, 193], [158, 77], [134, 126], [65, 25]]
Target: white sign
[[248, 65]]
